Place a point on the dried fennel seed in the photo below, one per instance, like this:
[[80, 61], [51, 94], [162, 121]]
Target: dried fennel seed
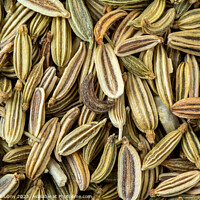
[[99, 98]]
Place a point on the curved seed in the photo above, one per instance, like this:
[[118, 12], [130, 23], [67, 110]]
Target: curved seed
[[89, 97], [161, 26], [123, 31], [106, 22], [153, 12]]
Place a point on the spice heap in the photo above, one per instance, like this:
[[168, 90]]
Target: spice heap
[[99, 99]]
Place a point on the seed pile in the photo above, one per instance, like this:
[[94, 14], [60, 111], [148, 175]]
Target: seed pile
[[99, 99]]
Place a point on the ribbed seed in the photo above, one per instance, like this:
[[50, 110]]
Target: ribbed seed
[[22, 55], [65, 125], [136, 44], [163, 148], [69, 76], [38, 26], [185, 41], [179, 165], [165, 176], [182, 8], [90, 99], [37, 112], [20, 16], [5, 89], [148, 176], [106, 22], [33, 80], [188, 20], [40, 152], [71, 180], [191, 146], [15, 117], [96, 144], [80, 21], [187, 108], [19, 154], [95, 8], [142, 106], [182, 81], [56, 172], [79, 137], [9, 184], [117, 114], [63, 103], [13, 168], [123, 31], [131, 129], [88, 65], [177, 185], [161, 26], [8, 71], [106, 162], [35, 54], [52, 8], [37, 191], [147, 58], [162, 70], [80, 170], [107, 65], [129, 172], [61, 45], [194, 75], [2, 111], [152, 13], [48, 80]]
